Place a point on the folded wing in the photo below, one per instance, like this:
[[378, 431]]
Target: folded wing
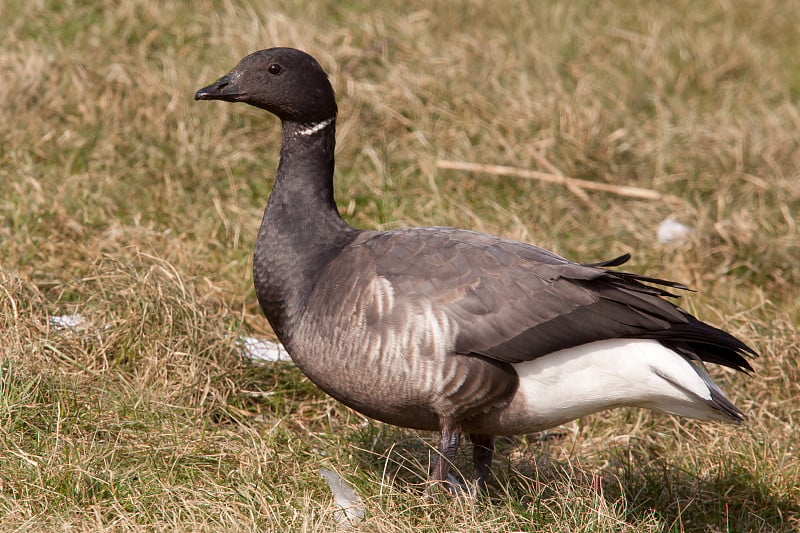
[[514, 302]]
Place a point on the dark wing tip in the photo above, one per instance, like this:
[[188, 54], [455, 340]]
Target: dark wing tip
[[617, 261]]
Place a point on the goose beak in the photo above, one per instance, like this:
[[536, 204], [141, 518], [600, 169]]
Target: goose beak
[[226, 88]]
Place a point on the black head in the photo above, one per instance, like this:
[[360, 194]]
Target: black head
[[284, 81]]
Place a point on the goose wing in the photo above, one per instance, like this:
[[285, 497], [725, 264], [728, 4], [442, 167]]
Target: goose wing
[[513, 302]]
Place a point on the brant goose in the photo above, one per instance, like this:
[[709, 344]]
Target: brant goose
[[452, 330]]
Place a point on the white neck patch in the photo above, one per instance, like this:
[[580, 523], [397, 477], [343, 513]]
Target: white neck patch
[[311, 129]]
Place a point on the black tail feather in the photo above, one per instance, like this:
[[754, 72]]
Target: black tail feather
[[615, 262], [687, 335], [696, 339]]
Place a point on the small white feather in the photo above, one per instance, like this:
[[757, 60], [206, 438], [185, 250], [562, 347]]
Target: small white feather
[[670, 230], [262, 350], [351, 507]]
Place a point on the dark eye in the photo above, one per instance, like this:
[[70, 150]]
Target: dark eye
[[274, 68]]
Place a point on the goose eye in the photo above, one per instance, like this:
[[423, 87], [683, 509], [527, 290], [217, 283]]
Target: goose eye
[[274, 68]]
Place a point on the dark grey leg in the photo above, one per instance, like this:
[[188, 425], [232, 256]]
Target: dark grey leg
[[482, 452], [448, 446]]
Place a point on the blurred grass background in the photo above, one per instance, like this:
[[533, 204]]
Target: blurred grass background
[[123, 200]]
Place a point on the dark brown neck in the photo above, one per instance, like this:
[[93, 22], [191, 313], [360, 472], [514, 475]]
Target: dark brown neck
[[301, 231]]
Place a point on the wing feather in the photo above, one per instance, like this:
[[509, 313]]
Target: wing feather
[[514, 302]]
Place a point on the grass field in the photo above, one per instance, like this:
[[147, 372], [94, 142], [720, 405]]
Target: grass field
[[125, 201]]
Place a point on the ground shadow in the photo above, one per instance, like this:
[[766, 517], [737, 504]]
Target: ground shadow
[[639, 486], [731, 499]]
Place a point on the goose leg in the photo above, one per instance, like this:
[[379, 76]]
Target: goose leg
[[482, 452], [448, 446]]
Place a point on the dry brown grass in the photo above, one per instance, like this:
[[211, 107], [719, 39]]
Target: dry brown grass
[[123, 200]]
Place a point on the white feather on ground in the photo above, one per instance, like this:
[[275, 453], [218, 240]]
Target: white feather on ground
[[670, 230], [262, 350], [351, 507]]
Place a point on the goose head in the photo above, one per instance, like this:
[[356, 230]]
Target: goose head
[[284, 81]]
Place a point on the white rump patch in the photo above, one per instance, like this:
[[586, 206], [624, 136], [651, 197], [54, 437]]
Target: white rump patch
[[311, 129], [578, 381]]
